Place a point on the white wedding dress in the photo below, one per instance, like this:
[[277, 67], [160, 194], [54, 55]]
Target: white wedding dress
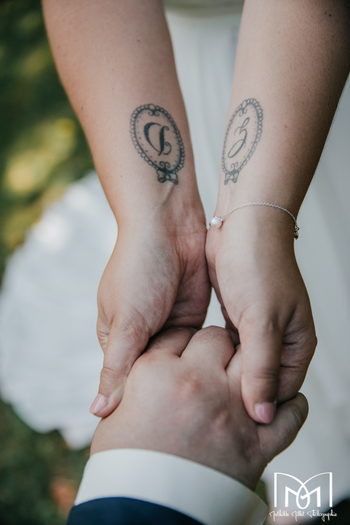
[[49, 354]]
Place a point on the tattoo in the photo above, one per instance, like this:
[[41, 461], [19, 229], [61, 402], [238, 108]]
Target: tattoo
[[158, 141], [242, 136]]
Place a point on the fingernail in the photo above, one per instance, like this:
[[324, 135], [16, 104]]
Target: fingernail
[[99, 403], [265, 412]]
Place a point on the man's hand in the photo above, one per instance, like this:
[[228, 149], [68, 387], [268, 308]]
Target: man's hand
[[183, 397], [265, 304], [153, 279]]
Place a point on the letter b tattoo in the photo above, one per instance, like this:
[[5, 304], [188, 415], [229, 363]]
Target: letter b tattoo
[[158, 141]]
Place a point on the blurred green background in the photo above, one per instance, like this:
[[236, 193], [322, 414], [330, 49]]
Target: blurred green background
[[42, 149]]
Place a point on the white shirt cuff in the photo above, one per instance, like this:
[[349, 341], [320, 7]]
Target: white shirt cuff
[[197, 491]]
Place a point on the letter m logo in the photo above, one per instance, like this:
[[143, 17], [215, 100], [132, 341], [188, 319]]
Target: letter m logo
[[302, 491]]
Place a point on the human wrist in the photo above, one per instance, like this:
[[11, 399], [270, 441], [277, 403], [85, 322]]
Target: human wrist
[[265, 183], [113, 433], [259, 219], [176, 482], [176, 214]]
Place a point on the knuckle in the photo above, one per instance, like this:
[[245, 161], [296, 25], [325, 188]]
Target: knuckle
[[102, 331], [211, 334], [221, 422], [309, 340], [262, 385], [259, 323], [143, 363], [297, 418], [313, 342], [130, 330], [189, 385], [266, 374], [103, 339], [108, 375]]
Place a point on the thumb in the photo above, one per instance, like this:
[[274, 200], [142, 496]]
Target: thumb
[[277, 436], [261, 356], [124, 345]]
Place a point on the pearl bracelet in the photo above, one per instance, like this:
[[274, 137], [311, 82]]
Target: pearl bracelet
[[217, 221]]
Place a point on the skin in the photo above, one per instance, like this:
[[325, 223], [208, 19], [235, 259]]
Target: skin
[[183, 397], [157, 275], [172, 290], [295, 64], [294, 58]]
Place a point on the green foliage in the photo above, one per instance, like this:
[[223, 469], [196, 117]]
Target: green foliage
[[42, 149], [28, 463], [42, 146]]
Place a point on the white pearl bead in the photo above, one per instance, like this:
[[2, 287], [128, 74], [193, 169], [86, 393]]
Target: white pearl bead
[[216, 222]]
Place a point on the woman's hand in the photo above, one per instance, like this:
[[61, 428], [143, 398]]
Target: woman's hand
[[293, 78], [119, 73], [156, 277], [265, 304]]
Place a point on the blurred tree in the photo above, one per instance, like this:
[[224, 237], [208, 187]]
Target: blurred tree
[[39, 475], [42, 149], [42, 146]]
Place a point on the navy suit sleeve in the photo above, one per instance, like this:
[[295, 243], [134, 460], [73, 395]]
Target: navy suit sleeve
[[126, 511]]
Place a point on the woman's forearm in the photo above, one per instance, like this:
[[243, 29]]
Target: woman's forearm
[[114, 57], [292, 63]]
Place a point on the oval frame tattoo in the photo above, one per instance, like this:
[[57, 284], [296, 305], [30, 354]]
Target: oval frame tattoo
[[157, 139], [241, 139]]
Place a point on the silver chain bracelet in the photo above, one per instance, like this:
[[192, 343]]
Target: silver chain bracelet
[[217, 221]]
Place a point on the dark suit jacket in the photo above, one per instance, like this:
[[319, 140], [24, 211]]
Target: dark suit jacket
[[126, 511]]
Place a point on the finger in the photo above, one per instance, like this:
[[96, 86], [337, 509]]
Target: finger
[[234, 369], [228, 323], [261, 355], [124, 346], [291, 378], [295, 361], [290, 417], [211, 346], [170, 341], [232, 330]]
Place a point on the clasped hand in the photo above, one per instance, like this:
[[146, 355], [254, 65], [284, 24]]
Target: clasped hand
[[156, 280], [183, 397]]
